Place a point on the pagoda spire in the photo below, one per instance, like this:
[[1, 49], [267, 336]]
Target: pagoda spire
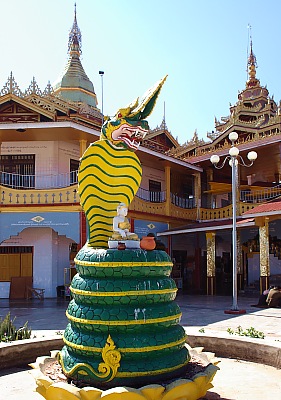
[[75, 37], [74, 84], [252, 65]]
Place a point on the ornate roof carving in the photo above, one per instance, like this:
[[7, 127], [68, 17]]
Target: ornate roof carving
[[226, 144], [11, 87], [189, 145], [87, 110], [47, 100], [41, 102], [33, 88]]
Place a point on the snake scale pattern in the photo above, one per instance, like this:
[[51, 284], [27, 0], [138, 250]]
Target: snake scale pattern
[[107, 176], [123, 321]]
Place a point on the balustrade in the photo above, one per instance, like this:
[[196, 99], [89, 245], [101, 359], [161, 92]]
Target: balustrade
[[50, 181], [29, 190], [216, 213], [153, 197], [259, 196], [13, 197], [182, 202]]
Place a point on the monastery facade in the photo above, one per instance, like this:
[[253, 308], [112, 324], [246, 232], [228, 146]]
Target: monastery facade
[[183, 199]]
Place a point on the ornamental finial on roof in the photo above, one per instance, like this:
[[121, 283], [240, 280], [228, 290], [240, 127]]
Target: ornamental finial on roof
[[75, 37], [252, 65], [48, 90], [33, 88], [252, 62], [11, 86]]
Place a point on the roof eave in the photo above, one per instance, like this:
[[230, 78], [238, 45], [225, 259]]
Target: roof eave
[[171, 159], [206, 229]]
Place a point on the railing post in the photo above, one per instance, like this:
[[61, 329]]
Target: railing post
[[197, 193], [168, 189]]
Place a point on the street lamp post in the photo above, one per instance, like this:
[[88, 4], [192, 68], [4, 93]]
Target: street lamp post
[[101, 73], [234, 160]]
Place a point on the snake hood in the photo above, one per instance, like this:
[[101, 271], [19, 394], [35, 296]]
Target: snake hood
[[110, 172], [128, 127]]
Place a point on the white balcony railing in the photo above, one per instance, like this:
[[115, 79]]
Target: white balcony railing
[[160, 197], [260, 196], [182, 202], [153, 197], [59, 181], [51, 181]]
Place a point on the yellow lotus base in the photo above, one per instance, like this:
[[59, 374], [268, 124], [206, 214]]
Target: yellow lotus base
[[180, 389]]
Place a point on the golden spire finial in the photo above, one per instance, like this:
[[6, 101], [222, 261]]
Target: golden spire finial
[[75, 37], [252, 63]]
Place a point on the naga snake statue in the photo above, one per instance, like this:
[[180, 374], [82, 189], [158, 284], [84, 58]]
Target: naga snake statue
[[110, 172], [123, 322]]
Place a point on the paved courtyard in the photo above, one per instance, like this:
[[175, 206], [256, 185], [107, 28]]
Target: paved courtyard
[[236, 380]]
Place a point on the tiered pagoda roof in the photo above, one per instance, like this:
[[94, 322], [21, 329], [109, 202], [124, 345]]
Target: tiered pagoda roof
[[74, 83], [255, 117], [71, 98]]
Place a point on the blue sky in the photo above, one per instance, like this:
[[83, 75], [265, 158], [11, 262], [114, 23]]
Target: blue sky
[[202, 46]]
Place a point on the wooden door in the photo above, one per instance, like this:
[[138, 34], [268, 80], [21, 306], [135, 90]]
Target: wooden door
[[9, 266], [26, 264]]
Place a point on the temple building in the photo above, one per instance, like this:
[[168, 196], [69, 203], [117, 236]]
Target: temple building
[[183, 199], [43, 135], [207, 260]]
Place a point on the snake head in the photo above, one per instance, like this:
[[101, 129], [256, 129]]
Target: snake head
[[128, 127], [126, 133]]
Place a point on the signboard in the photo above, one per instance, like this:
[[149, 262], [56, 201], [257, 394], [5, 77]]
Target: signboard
[[143, 228], [67, 223]]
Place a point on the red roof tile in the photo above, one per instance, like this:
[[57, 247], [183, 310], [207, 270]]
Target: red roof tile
[[273, 207]]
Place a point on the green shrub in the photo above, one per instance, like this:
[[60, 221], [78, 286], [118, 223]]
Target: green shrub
[[9, 332], [250, 332]]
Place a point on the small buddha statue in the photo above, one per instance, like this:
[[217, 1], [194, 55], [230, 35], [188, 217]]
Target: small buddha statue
[[121, 225]]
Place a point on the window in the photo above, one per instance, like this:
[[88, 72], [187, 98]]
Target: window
[[74, 165], [155, 191], [17, 171]]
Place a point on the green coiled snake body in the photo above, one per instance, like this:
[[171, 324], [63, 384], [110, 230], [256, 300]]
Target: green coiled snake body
[[123, 322]]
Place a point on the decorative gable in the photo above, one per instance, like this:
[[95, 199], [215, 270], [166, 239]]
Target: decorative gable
[[14, 112], [160, 139], [34, 105]]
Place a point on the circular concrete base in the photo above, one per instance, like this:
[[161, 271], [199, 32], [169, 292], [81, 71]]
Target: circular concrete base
[[47, 374], [19, 384], [235, 353]]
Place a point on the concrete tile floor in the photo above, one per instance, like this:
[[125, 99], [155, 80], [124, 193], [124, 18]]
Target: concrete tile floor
[[197, 311], [236, 380]]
